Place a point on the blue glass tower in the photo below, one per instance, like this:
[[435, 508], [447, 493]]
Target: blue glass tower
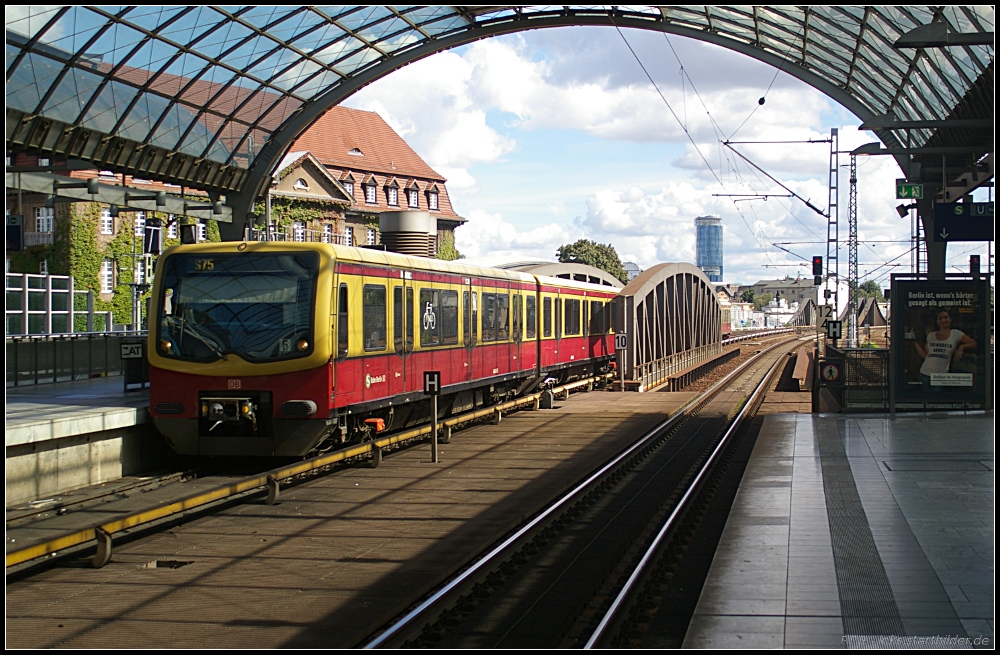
[[709, 246]]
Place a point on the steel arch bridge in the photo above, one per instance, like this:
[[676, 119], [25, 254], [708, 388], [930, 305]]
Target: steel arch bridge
[[212, 97]]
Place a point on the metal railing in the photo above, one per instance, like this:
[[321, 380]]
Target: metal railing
[[38, 239], [303, 236], [653, 373], [866, 378], [41, 359]]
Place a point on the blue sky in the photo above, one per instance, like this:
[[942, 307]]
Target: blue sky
[[553, 135]]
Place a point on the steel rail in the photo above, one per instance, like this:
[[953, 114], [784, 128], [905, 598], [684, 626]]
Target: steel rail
[[665, 530], [270, 479], [483, 563]]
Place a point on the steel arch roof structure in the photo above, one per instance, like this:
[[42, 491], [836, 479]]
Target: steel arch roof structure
[[212, 97]]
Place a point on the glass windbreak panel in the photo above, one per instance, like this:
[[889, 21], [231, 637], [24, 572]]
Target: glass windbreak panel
[[530, 317], [374, 317], [256, 306]]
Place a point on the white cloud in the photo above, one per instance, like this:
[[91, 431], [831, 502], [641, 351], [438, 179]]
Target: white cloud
[[489, 239]]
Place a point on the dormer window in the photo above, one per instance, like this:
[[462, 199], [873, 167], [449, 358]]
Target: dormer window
[[301, 185], [355, 152], [432, 200], [349, 187], [370, 192], [392, 193]]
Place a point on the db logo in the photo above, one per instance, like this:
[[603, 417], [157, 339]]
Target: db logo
[[234, 384]]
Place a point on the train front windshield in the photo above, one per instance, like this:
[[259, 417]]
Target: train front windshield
[[255, 305]]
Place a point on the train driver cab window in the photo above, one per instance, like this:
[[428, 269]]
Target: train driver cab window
[[342, 322], [374, 317], [547, 317], [530, 318], [572, 317]]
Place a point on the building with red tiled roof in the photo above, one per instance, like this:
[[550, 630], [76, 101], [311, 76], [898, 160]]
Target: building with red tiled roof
[[381, 171]]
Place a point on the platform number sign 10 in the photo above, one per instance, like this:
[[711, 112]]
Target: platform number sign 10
[[621, 341]]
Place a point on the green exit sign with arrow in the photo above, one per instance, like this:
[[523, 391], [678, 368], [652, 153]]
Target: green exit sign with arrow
[[909, 190]]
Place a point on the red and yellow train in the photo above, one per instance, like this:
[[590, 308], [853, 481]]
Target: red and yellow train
[[281, 349]]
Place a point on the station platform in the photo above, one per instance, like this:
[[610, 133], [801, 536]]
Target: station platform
[[68, 435], [858, 531]]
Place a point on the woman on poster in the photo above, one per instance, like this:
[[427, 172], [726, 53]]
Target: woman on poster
[[943, 346]]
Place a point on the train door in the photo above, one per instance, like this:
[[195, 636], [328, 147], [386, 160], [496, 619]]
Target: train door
[[470, 325], [504, 348], [374, 337], [486, 354], [346, 371], [516, 329], [402, 332]]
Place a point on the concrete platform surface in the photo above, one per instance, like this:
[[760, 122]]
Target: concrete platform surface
[[862, 531]]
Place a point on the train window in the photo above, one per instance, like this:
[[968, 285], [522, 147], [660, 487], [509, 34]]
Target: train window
[[399, 316], [517, 317], [547, 317], [449, 317], [488, 332], [559, 325], [342, 322], [572, 316], [374, 317], [471, 319], [597, 317], [503, 317], [430, 317], [529, 322]]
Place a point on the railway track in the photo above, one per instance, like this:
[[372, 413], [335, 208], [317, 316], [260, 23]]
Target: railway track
[[588, 570], [31, 542], [189, 543]]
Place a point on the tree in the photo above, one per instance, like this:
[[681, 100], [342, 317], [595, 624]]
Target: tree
[[870, 289], [761, 299], [594, 254], [747, 295]]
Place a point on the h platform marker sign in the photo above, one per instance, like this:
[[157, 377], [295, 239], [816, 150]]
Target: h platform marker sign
[[432, 383]]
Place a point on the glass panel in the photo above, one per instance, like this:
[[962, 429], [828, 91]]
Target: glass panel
[[116, 43], [66, 102], [194, 25], [28, 19], [29, 81], [546, 317], [151, 17], [73, 29], [342, 324]]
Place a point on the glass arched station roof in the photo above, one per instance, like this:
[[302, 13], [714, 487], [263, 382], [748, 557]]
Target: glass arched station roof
[[211, 97]]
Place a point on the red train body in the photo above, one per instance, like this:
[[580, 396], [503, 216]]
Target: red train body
[[280, 349]]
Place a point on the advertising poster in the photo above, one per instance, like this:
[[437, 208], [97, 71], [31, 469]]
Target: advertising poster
[[941, 340]]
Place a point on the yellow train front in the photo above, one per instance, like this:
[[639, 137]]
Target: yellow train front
[[280, 349]]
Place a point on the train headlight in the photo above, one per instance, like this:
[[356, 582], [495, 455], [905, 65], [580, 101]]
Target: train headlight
[[164, 346], [302, 345]]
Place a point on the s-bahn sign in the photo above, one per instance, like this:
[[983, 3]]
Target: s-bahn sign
[[963, 221]]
